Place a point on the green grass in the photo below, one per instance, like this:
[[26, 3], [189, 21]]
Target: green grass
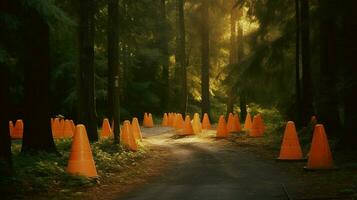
[[45, 173]]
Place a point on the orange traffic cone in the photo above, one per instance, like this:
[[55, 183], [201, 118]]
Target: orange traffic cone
[[60, 129], [320, 156], [179, 122], [230, 123], [255, 130], [290, 147], [261, 125], [222, 131], [11, 128], [145, 120], [73, 126], [196, 124], [18, 130], [248, 122], [127, 137], [67, 129], [136, 129], [187, 127], [81, 160], [150, 122], [205, 122], [165, 121], [106, 129], [236, 123], [174, 120]]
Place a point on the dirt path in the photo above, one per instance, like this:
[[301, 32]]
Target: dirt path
[[205, 168]]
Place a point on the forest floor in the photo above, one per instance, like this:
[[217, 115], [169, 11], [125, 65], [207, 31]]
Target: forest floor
[[203, 167]]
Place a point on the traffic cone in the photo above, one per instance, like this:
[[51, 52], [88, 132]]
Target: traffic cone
[[248, 122], [150, 122], [106, 129], [171, 119], [145, 120], [179, 122], [73, 126], [165, 120], [55, 125], [230, 123], [222, 131], [136, 129], [196, 124], [255, 130], [127, 137], [60, 129], [11, 128], [81, 160], [67, 129], [18, 130], [174, 118], [320, 156], [261, 125], [290, 147], [236, 123], [187, 127], [205, 122]]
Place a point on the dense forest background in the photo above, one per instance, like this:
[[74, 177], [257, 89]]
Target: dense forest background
[[214, 56]]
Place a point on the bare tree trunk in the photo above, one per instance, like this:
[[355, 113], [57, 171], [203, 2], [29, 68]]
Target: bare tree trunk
[[349, 138], [298, 100], [327, 104], [164, 43], [86, 83], [37, 135], [233, 54], [6, 168], [205, 57], [181, 54], [113, 64], [306, 106]]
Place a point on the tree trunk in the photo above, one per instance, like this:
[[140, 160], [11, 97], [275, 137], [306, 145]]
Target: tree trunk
[[113, 64], [205, 57], [37, 135], [306, 105], [181, 54], [243, 105], [350, 74], [164, 44], [6, 168], [86, 88], [298, 100], [232, 57], [327, 104]]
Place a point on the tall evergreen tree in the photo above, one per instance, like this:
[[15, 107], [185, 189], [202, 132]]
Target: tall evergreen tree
[[86, 85], [205, 61], [37, 135], [113, 65]]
